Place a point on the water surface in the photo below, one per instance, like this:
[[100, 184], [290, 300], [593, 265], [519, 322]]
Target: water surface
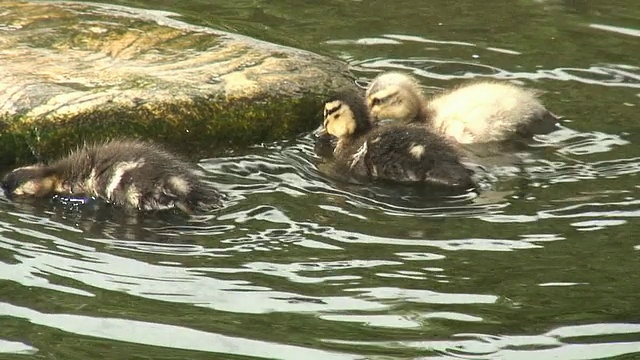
[[543, 264]]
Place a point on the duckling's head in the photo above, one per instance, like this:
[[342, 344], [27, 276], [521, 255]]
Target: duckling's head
[[395, 96], [346, 115], [34, 181]]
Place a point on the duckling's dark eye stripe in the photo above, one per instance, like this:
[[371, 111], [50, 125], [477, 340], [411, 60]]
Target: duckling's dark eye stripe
[[380, 100], [328, 112]]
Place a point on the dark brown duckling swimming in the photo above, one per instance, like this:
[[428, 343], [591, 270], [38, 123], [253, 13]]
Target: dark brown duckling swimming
[[133, 174], [400, 153]]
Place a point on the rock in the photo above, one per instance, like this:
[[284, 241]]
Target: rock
[[74, 72]]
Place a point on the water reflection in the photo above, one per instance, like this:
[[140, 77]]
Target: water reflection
[[292, 241], [605, 75], [616, 29], [567, 343], [15, 347], [164, 335], [616, 75]]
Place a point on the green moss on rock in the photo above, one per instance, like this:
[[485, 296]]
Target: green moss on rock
[[196, 128]]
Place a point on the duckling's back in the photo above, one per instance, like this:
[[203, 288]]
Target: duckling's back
[[490, 111], [137, 174], [408, 153]]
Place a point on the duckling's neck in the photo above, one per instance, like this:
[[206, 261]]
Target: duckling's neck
[[429, 117], [425, 113], [347, 142], [69, 176], [364, 125], [342, 144], [363, 128]]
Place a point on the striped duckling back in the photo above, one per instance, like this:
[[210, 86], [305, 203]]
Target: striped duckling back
[[133, 174]]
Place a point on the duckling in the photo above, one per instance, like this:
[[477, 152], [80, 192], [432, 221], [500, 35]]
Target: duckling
[[133, 174], [400, 153], [481, 112]]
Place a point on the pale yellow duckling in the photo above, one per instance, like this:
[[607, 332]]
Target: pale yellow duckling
[[480, 112]]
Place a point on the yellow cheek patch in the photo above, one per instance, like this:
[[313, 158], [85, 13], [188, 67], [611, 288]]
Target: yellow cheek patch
[[30, 187], [341, 127], [339, 120], [37, 187], [343, 124]]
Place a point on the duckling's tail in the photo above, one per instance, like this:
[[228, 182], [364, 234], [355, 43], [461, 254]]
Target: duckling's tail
[[202, 199], [546, 123], [452, 176]]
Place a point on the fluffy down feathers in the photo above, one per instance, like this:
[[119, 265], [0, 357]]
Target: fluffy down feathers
[[133, 174]]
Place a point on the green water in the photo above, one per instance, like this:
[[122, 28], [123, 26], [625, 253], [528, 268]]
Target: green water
[[544, 264]]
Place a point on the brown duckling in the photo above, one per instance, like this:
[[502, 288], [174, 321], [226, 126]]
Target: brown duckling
[[400, 153], [480, 112], [133, 174]]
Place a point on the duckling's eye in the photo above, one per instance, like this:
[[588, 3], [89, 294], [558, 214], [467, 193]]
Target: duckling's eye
[[376, 101]]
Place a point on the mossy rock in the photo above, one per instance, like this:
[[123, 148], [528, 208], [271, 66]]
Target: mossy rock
[[79, 72]]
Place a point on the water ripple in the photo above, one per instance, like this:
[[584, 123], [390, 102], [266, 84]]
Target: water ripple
[[611, 75], [15, 347], [166, 336], [566, 343]]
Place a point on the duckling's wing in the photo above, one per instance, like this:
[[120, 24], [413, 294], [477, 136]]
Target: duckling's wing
[[419, 155]]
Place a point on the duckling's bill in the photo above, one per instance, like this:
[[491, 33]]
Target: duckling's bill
[[320, 131]]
